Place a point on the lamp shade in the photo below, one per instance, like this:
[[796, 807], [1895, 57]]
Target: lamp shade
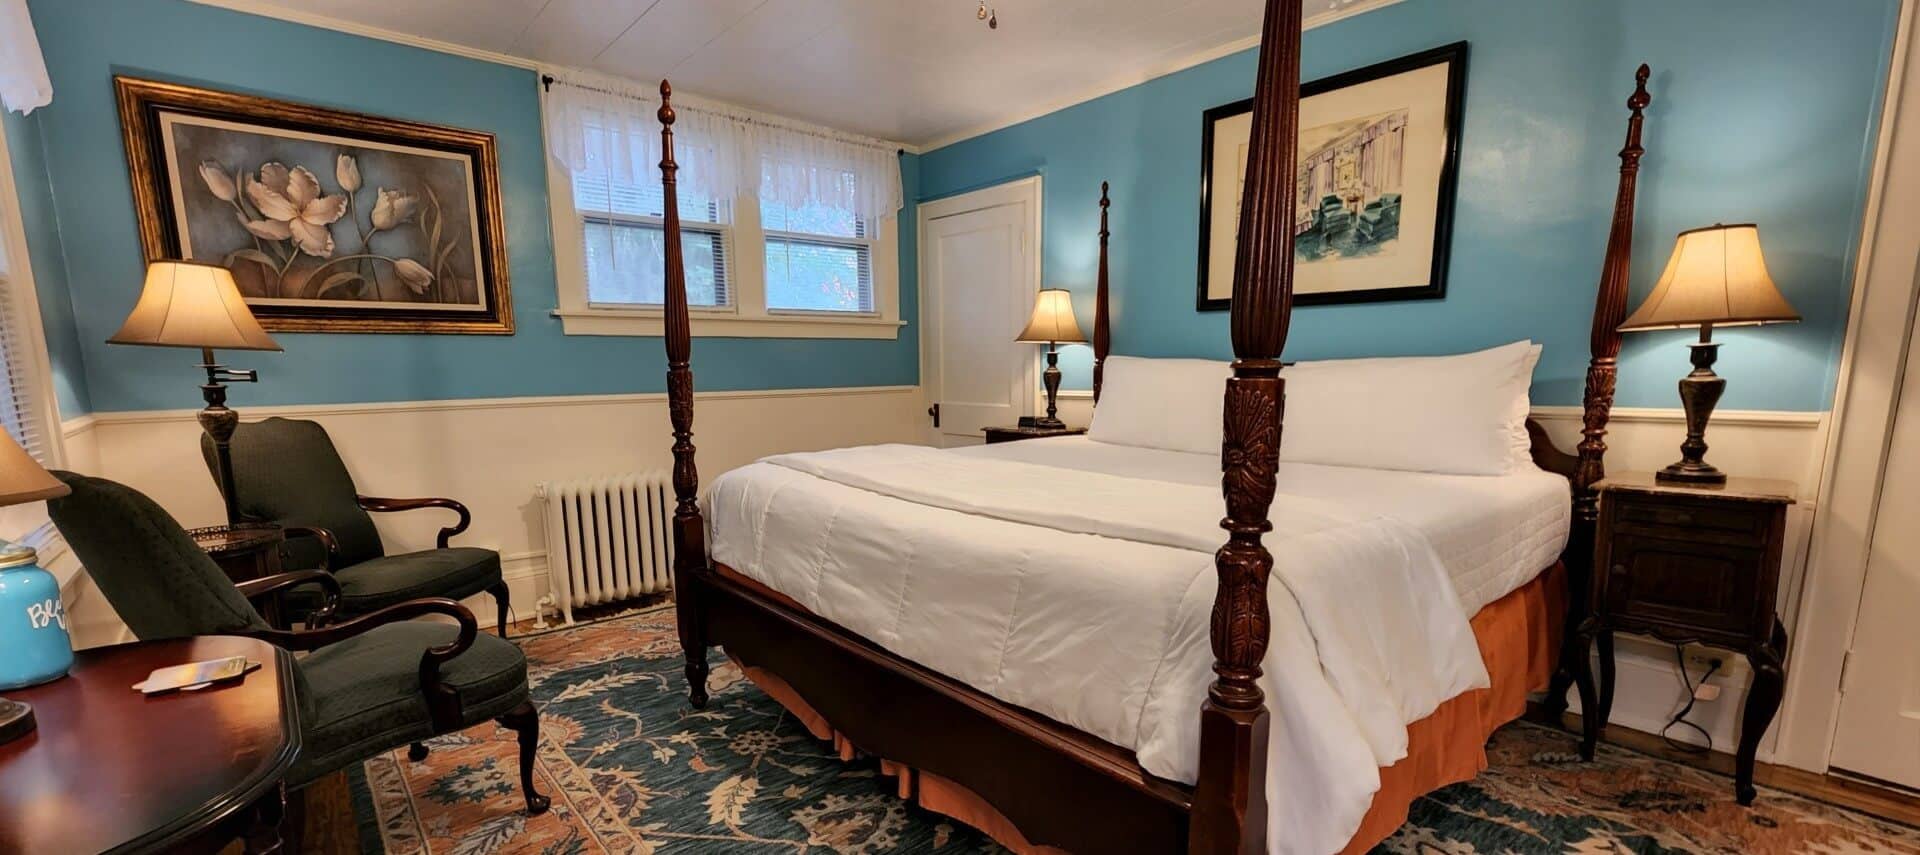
[[22, 479], [190, 304], [1716, 276], [1052, 318]]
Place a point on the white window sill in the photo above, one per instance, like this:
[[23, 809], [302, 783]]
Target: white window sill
[[718, 325]]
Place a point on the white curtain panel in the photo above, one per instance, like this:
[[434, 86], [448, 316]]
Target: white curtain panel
[[607, 128], [23, 72]]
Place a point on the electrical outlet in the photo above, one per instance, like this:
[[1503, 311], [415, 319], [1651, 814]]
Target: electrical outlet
[[1699, 659]]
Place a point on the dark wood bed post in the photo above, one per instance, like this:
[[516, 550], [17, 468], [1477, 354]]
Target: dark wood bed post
[[1609, 310], [1230, 799], [1102, 339], [689, 530]]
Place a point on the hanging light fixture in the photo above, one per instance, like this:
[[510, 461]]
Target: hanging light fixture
[[991, 16]]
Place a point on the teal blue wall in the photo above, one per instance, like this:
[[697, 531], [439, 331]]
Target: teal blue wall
[[1764, 111], [86, 43]]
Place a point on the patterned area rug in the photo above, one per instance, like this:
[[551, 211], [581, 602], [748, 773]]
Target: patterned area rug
[[632, 769]]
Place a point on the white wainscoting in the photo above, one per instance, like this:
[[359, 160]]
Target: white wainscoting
[[489, 454], [1755, 443]]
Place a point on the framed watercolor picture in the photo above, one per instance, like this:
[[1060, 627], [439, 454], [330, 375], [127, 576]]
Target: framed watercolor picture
[[330, 221], [1378, 162]]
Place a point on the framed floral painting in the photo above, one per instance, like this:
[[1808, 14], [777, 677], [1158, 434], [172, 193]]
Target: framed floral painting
[[330, 221]]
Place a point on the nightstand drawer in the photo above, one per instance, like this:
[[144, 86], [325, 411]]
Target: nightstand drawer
[[1683, 583], [1694, 516]]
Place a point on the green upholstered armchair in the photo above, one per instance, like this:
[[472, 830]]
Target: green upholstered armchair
[[367, 685], [287, 471]]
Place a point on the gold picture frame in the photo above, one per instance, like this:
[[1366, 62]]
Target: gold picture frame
[[330, 220]]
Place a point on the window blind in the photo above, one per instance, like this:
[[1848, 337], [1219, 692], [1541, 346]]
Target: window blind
[[819, 258], [624, 241], [19, 394]]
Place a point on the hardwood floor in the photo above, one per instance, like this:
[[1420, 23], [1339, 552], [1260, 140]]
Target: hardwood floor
[[1884, 801]]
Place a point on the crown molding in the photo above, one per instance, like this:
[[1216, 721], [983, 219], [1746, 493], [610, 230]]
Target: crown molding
[[1153, 72], [1108, 87], [327, 22]]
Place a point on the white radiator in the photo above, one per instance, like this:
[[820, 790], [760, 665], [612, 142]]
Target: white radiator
[[608, 539]]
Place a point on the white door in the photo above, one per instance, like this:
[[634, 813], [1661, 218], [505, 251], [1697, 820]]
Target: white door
[[1879, 727], [979, 271]]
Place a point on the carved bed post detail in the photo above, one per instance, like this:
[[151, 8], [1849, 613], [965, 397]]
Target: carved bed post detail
[[1609, 311], [1102, 339], [1229, 804], [689, 530]]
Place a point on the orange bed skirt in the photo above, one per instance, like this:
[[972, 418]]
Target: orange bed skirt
[[1519, 638]]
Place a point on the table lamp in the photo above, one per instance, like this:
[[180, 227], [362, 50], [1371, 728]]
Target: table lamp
[[1716, 277], [33, 621], [191, 304], [1052, 324]]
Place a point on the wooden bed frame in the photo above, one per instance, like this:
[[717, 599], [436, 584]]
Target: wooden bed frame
[[1057, 785]]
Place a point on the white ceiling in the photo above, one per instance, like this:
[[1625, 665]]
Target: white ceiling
[[921, 72]]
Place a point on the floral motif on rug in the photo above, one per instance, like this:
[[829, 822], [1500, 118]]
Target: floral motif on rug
[[632, 768]]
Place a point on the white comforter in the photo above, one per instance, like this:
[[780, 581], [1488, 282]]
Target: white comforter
[[1085, 596]]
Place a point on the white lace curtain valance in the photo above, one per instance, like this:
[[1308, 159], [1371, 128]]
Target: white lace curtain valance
[[23, 72], [608, 130]]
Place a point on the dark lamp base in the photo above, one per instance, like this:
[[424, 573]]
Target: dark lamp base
[[1049, 424], [16, 720], [1691, 473]]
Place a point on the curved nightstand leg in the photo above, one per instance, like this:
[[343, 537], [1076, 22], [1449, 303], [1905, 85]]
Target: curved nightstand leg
[[1604, 684], [1581, 664], [1763, 700]]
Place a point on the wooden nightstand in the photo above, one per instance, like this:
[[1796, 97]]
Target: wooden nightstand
[[1011, 434], [1691, 564]]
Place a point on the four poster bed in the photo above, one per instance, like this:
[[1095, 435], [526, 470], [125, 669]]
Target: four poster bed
[[1087, 776]]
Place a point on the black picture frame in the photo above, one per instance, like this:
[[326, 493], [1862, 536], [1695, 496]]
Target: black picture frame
[[1455, 56]]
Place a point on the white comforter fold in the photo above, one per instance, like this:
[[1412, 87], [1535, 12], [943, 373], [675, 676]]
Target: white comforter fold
[[1085, 596]]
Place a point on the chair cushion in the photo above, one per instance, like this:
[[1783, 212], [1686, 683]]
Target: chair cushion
[[363, 694], [452, 573]]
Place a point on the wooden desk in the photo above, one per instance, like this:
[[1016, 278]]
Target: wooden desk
[[112, 770]]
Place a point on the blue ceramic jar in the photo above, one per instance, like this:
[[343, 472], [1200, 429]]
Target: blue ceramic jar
[[34, 647]]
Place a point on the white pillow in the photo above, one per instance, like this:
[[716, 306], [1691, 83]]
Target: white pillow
[[1173, 404], [1463, 415]]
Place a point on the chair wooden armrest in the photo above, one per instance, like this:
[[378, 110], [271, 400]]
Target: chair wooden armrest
[[254, 589], [380, 505], [442, 700], [326, 538]]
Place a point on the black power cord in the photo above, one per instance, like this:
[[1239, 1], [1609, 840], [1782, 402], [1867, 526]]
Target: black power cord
[[1680, 718]]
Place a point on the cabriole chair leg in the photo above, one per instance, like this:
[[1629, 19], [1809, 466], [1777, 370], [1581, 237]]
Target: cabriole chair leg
[[502, 602], [525, 720]]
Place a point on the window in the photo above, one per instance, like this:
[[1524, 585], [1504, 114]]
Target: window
[[788, 230], [819, 259], [623, 236]]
